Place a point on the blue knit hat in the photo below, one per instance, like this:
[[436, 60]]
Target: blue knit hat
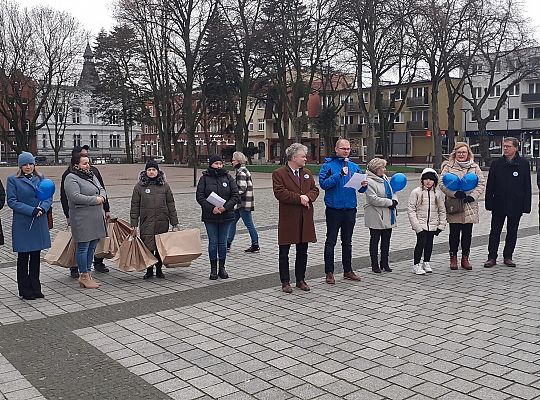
[[25, 158]]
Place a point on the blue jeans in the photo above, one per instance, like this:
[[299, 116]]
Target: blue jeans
[[85, 255], [344, 221], [217, 239], [248, 222]]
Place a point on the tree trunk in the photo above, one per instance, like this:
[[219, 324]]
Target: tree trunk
[[129, 147], [436, 132], [484, 143]]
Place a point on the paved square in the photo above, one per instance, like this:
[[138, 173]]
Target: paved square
[[448, 335]]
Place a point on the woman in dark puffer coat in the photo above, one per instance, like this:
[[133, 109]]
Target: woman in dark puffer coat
[[152, 206]]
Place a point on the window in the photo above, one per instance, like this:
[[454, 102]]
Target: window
[[92, 116], [114, 118], [513, 113], [11, 127], [261, 125], [94, 141], [477, 92], [261, 105], [76, 115], [114, 141], [151, 111], [262, 149], [251, 104], [476, 68], [495, 91], [344, 99], [420, 116], [534, 87], [533, 113], [419, 92], [250, 127], [498, 66], [76, 140], [44, 141], [514, 90], [347, 120], [399, 119], [365, 96], [495, 117], [398, 95]]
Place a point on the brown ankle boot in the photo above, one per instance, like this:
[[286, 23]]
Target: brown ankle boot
[[453, 261], [86, 282], [93, 280], [465, 264]]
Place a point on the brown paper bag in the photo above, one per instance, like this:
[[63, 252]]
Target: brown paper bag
[[62, 251], [133, 255], [122, 229], [107, 247], [179, 249]]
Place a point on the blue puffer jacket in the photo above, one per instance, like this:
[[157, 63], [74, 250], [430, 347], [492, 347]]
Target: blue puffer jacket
[[330, 179]]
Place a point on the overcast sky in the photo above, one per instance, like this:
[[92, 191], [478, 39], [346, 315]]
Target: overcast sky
[[97, 14]]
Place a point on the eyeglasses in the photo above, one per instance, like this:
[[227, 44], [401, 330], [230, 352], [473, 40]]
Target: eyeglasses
[[344, 148], [462, 152]]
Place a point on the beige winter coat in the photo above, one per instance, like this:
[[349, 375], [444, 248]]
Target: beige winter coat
[[377, 215], [470, 215], [426, 210]]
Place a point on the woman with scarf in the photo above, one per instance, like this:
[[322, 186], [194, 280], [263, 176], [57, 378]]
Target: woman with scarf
[[85, 199], [379, 213], [29, 230], [217, 217], [461, 162], [152, 203]]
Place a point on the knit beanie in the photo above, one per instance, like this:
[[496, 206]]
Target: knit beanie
[[151, 164], [25, 158], [213, 158], [430, 173]]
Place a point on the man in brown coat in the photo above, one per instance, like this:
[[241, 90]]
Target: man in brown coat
[[295, 189]]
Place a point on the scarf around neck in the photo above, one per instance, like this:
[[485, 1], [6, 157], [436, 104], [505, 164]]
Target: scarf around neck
[[82, 173], [389, 195], [464, 164]]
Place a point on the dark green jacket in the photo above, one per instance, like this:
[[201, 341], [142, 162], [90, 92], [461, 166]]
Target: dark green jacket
[[152, 203]]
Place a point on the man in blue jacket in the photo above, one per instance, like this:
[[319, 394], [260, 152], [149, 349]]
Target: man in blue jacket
[[340, 208]]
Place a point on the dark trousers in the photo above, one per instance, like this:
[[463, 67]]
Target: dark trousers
[[382, 235], [465, 231], [337, 220], [512, 225], [28, 273], [299, 264], [424, 245], [150, 270]]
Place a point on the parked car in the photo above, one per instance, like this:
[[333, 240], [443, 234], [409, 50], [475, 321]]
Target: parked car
[[99, 160], [159, 159]]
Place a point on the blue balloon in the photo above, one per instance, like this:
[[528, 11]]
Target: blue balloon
[[451, 181], [398, 182], [45, 190], [469, 182]]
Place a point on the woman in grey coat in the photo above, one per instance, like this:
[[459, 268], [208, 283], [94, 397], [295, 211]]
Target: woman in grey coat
[[85, 198], [380, 213]]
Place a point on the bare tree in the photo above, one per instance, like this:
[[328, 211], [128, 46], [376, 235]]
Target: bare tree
[[58, 112], [501, 53], [39, 50]]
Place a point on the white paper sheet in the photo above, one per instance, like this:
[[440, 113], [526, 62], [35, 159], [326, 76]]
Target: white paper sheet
[[356, 181], [215, 199]]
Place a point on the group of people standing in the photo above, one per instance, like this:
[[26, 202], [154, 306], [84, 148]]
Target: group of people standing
[[508, 197], [85, 205]]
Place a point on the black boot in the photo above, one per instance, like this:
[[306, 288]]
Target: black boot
[[149, 273], [222, 273], [159, 273], [213, 270], [385, 265], [375, 265]]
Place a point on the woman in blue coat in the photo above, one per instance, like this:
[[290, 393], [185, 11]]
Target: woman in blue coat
[[28, 237]]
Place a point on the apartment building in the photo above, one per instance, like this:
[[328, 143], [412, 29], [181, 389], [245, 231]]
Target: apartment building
[[519, 117], [411, 137]]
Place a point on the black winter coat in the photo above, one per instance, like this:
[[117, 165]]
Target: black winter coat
[[224, 185], [508, 189]]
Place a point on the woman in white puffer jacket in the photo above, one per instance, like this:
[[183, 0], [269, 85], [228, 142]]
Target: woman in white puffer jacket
[[427, 215]]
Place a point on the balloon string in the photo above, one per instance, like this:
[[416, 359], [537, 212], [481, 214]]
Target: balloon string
[[33, 218]]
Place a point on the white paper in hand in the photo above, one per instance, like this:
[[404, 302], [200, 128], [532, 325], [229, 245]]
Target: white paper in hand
[[356, 181], [215, 199]]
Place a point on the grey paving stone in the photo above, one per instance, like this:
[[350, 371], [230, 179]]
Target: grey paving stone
[[254, 385], [340, 388], [522, 391], [306, 391], [187, 393], [489, 394]]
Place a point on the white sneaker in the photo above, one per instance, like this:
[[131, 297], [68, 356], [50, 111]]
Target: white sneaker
[[417, 269], [427, 267]]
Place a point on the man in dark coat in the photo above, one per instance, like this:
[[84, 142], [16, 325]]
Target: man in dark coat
[[295, 189], [508, 196], [98, 262]]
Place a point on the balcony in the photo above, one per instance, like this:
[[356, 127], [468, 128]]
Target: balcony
[[417, 102], [530, 97], [417, 125], [530, 123], [352, 108]]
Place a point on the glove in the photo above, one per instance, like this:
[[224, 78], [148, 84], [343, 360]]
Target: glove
[[437, 232], [460, 194], [468, 199], [36, 211], [394, 205], [176, 228]]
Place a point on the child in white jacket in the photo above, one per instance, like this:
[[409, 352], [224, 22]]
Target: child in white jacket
[[427, 215]]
